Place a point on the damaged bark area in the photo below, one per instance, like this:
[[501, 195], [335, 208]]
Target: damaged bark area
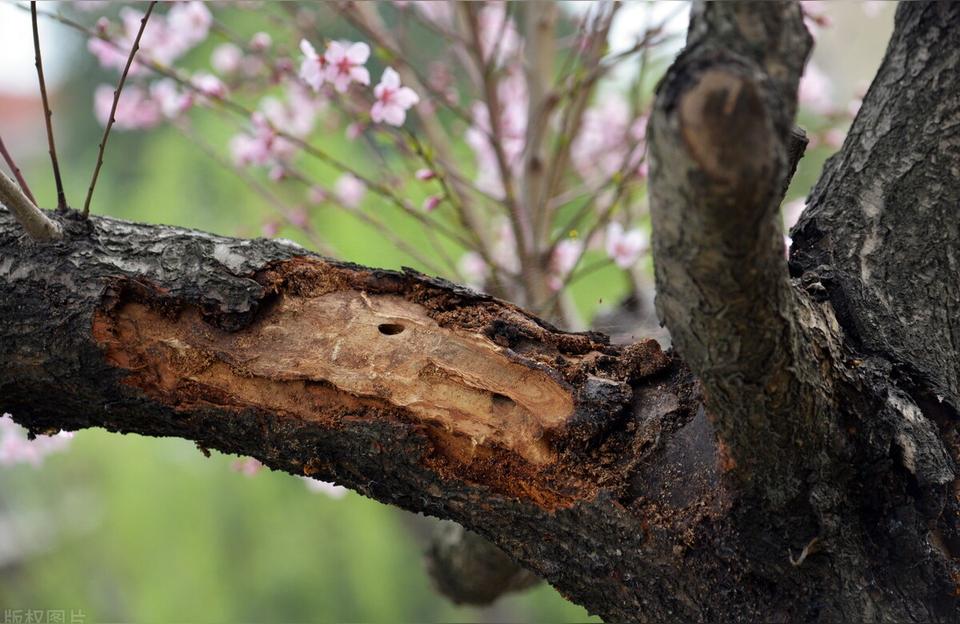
[[493, 388]]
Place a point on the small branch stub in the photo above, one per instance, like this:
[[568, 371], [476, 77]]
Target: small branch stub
[[38, 225]]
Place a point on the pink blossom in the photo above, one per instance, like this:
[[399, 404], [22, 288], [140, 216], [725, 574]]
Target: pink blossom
[[251, 65], [262, 146], [335, 492], [190, 21], [393, 100], [299, 218], [171, 100], [226, 58], [209, 85], [345, 64], [425, 174], [247, 466], [349, 190], [17, 448], [270, 229], [135, 109], [277, 173], [606, 135], [295, 115], [512, 96], [815, 91], [354, 130], [313, 68], [260, 42], [565, 256], [498, 34], [439, 12], [625, 247], [109, 55], [164, 39], [815, 14], [473, 268], [103, 25], [430, 203], [159, 42], [316, 195]]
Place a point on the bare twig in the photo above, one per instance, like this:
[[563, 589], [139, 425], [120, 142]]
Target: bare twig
[[16, 172], [113, 109], [38, 225], [61, 197]]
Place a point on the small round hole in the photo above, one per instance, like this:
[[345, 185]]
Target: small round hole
[[390, 329]]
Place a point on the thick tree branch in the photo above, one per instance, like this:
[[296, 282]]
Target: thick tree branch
[[593, 466], [882, 230], [722, 147]]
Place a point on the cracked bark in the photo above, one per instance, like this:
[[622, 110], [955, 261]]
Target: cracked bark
[[796, 465]]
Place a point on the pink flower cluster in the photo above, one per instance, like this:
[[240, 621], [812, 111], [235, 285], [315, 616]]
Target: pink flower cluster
[[165, 38], [513, 101], [609, 141], [343, 64], [262, 145], [625, 247], [16, 448]]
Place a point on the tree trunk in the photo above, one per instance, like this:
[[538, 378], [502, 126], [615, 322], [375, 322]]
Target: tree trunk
[[798, 464]]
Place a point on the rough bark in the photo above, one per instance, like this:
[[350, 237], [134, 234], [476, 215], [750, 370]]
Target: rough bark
[[722, 147], [881, 234], [817, 482]]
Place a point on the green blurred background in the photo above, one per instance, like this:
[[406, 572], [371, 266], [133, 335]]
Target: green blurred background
[[149, 530]]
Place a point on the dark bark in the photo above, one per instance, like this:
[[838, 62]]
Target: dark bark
[[817, 482], [881, 233], [722, 147]]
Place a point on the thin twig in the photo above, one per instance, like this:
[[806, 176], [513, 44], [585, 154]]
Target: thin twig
[[61, 197], [273, 200], [113, 109], [242, 111], [38, 225], [16, 172]]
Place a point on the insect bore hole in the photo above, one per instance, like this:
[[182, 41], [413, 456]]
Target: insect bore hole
[[390, 329]]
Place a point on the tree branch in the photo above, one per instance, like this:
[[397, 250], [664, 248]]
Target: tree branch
[[48, 115], [113, 109], [721, 148], [593, 466], [882, 229], [38, 225]]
